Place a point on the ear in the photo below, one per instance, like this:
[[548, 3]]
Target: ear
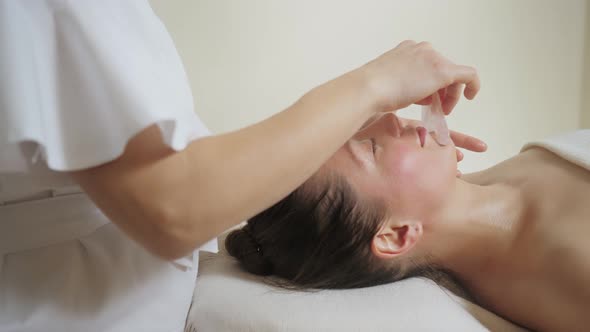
[[395, 240]]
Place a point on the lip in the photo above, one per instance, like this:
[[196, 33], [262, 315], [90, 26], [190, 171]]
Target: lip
[[399, 126], [421, 132]]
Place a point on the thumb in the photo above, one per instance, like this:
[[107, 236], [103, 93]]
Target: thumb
[[428, 100]]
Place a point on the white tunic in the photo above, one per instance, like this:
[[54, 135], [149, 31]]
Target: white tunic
[[79, 78]]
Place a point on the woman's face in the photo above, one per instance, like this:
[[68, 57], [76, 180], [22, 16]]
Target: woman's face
[[389, 161]]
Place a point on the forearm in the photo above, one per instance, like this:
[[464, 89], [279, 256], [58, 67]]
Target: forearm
[[174, 202], [236, 175]]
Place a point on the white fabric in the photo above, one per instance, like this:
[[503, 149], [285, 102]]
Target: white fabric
[[79, 78], [573, 147], [100, 282], [82, 77], [230, 299]]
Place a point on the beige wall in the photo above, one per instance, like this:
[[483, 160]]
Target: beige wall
[[249, 59], [585, 107]]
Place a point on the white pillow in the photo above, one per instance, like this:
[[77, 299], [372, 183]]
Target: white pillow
[[229, 299]]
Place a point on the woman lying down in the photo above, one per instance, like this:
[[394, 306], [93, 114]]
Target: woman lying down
[[388, 206]]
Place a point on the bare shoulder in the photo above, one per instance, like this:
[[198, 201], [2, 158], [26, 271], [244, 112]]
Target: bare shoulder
[[553, 293]]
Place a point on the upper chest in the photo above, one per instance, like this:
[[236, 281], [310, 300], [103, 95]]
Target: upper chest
[[557, 190], [551, 265]]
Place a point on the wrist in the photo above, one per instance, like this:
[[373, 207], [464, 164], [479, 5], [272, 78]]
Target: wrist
[[353, 92], [378, 93]]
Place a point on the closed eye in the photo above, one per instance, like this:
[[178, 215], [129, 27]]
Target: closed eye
[[373, 145]]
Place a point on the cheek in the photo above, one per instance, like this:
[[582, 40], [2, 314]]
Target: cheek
[[404, 160], [420, 177]]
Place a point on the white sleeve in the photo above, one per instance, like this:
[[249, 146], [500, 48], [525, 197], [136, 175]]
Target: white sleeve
[[80, 78]]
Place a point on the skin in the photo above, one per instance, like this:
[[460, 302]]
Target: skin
[[516, 234], [173, 202]]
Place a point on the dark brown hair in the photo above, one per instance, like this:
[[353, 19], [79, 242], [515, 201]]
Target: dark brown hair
[[319, 237]]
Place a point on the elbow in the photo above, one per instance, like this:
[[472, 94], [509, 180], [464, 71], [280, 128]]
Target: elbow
[[168, 248], [165, 222], [172, 235]]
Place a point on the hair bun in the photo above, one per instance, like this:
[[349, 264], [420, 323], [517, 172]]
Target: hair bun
[[242, 245]]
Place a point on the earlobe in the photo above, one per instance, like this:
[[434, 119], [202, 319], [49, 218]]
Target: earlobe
[[395, 240]]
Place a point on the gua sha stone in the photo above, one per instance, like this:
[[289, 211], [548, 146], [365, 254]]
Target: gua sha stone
[[433, 119]]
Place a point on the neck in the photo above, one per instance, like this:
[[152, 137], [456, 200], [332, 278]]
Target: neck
[[477, 228]]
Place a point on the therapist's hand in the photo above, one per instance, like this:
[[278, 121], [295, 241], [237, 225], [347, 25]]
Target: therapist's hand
[[460, 140], [411, 72]]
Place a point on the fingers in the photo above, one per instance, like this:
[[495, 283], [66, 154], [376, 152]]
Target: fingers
[[467, 75], [425, 101], [451, 94], [428, 100], [468, 142], [459, 139], [442, 93], [460, 155], [406, 44], [451, 98]]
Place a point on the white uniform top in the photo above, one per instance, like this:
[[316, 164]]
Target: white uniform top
[[79, 78]]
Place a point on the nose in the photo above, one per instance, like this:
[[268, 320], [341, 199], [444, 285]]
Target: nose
[[382, 124], [391, 124]]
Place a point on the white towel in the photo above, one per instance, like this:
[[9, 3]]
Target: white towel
[[573, 147]]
